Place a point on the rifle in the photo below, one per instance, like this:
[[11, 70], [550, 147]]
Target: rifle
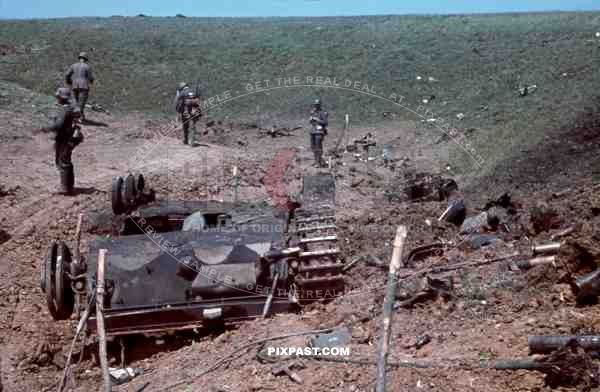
[[197, 91]]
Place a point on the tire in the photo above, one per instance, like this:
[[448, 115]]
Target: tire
[[116, 194], [47, 261], [130, 191], [140, 183], [64, 297]]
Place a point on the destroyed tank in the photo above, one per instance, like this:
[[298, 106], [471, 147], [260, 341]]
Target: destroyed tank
[[181, 264]]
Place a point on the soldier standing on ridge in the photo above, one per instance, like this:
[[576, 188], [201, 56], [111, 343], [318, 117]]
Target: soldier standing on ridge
[[80, 78], [68, 136], [319, 121], [187, 105]]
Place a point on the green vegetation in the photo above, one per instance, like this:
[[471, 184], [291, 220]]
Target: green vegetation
[[478, 63]]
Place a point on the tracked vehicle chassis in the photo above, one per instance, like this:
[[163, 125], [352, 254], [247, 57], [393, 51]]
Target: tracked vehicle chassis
[[246, 261]]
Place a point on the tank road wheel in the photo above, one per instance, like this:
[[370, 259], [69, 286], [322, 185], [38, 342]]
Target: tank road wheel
[[140, 183], [129, 192], [116, 195], [65, 297], [47, 262], [49, 281], [59, 297]]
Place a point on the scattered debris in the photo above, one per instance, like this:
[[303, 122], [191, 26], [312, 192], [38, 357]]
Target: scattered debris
[[477, 241], [551, 248], [375, 261], [543, 219], [544, 344], [364, 142], [423, 187], [526, 90], [558, 194], [422, 252], [460, 116], [473, 224], [587, 287], [287, 370], [567, 365], [336, 338], [122, 375], [565, 232], [277, 132], [352, 263], [456, 213], [434, 288], [527, 264], [97, 108], [422, 340]]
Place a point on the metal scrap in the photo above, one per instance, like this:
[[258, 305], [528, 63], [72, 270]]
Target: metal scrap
[[550, 248], [587, 287], [287, 370], [336, 338], [542, 344]]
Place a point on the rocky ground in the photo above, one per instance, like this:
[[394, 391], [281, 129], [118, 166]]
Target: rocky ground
[[487, 315]]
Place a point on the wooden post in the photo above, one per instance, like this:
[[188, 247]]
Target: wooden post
[[388, 306], [80, 327], [236, 184], [100, 320], [78, 238], [77, 260]]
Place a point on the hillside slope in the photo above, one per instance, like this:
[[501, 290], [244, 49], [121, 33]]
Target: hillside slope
[[477, 64]]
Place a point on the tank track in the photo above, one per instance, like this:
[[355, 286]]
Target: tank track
[[318, 270]]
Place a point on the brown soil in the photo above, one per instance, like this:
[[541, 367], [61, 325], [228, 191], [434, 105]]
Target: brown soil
[[490, 314]]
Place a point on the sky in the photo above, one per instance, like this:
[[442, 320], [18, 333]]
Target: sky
[[26, 9]]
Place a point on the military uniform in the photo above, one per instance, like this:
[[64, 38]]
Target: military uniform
[[67, 137], [319, 120], [80, 77], [187, 105]]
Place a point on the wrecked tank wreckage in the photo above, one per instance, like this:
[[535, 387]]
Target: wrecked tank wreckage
[[176, 265]]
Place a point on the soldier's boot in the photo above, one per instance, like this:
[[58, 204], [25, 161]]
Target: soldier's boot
[[67, 180], [192, 134], [185, 131]]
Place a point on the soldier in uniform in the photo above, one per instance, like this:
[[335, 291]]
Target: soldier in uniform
[[319, 122], [68, 136], [80, 78], [187, 105]]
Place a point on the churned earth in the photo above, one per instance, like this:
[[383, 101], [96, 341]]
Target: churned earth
[[490, 313]]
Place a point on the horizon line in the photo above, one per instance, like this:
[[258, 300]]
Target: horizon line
[[183, 16]]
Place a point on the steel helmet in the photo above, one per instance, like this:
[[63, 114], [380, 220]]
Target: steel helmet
[[63, 93]]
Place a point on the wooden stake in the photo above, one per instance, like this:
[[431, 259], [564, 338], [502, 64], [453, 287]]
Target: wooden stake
[[78, 238], [80, 327], [267, 306], [388, 307], [100, 320]]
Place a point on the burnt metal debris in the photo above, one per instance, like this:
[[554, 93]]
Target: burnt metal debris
[[242, 261], [541, 344]]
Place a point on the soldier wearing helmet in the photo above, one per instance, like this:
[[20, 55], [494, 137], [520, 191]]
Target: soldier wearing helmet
[[187, 105], [79, 76], [319, 120], [67, 136]]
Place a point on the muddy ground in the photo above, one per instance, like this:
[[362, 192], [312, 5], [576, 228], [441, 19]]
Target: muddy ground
[[489, 314]]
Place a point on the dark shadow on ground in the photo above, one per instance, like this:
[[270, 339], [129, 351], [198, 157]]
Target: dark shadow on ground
[[4, 236], [565, 155], [84, 191], [93, 123]]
